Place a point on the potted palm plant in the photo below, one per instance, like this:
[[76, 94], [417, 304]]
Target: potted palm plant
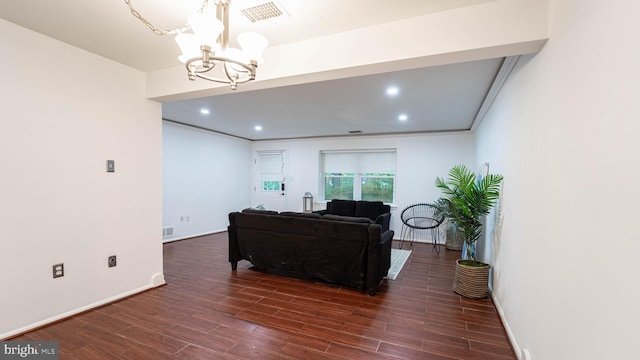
[[466, 200]]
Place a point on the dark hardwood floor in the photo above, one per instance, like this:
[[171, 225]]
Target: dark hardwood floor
[[206, 311]]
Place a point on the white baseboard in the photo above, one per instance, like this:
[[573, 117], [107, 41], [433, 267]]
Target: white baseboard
[[507, 328], [193, 235], [157, 280], [73, 312]]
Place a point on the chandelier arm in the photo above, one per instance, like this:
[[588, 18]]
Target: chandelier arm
[[247, 76], [233, 83], [232, 79], [247, 68], [250, 67], [157, 30], [211, 78]]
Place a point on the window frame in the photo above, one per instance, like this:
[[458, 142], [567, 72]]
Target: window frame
[[357, 175]]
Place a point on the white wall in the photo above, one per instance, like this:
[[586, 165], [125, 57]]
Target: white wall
[[564, 132], [64, 113], [205, 177], [420, 159]]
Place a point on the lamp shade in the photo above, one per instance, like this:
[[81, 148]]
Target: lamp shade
[[189, 46], [253, 45], [206, 28]]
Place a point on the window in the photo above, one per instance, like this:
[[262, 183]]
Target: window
[[359, 175], [338, 186]]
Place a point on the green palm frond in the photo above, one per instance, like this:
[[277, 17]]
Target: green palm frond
[[466, 200]]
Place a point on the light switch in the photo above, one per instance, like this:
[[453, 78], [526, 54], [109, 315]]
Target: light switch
[[111, 166]]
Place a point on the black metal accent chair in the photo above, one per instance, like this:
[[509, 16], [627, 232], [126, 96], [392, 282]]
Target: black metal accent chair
[[420, 219]]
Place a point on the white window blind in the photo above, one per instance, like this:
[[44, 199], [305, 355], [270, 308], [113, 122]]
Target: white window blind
[[363, 162], [271, 166]]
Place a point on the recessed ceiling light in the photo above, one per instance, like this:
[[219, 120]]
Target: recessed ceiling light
[[403, 117], [204, 111], [257, 128], [392, 91]]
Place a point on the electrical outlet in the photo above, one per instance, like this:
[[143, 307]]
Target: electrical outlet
[[112, 261], [58, 270]]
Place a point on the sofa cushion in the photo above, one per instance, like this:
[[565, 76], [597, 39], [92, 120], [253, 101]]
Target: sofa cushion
[[298, 214], [255, 211], [362, 220], [342, 207], [370, 209]]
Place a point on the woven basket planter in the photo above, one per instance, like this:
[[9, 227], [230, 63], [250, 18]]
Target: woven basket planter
[[471, 281]]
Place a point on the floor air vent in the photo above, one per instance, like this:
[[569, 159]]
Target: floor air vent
[[166, 232]]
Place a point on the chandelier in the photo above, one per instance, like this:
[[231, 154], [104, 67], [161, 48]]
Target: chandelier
[[208, 48]]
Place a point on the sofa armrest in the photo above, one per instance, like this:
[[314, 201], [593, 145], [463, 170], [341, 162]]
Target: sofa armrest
[[378, 260], [234, 250], [384, 220], [321, 212]]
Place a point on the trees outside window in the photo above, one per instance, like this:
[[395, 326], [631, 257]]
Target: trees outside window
[[359, 175]]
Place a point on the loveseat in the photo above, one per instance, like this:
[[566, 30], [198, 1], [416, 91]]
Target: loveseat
[[376, 211], [348, 252]]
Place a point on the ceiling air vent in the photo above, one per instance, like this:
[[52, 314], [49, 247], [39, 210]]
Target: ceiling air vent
[[355, 131], [264, 11]]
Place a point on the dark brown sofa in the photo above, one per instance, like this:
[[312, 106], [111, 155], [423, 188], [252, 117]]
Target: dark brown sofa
[[376, 211], [355, 254]]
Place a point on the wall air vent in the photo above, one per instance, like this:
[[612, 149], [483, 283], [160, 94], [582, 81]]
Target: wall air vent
[[168, 231], [265, 11]]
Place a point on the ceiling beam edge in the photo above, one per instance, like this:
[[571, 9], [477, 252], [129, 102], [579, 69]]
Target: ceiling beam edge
[[501, 77]]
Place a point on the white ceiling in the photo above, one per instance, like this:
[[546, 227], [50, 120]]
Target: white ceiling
[[435, 99]]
